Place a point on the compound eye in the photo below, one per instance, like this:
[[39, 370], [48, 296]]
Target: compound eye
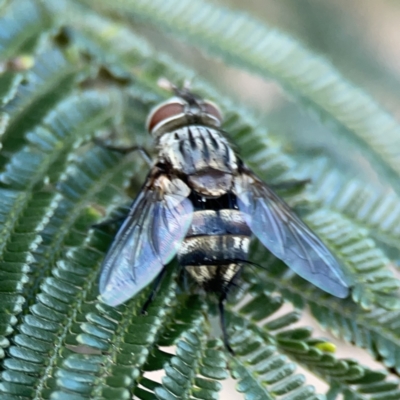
[[162, 113], [212, 109]]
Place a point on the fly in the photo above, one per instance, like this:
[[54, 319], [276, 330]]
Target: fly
[[201, 203]]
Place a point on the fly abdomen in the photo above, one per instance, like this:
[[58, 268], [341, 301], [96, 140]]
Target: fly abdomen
[[220, 222], [214, 247], [213, 250]]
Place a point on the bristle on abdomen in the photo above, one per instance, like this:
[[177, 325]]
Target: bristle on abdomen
[[214, 278]]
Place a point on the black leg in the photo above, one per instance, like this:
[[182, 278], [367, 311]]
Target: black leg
[[154, 290], [289, 184], [108, 222], [125, 150], [223, 324], [185, 281]]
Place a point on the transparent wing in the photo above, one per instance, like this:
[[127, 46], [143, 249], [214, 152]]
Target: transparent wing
[[287, 237], [147, 240]]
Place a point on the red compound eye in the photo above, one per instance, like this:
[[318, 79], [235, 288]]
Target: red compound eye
[[212, 109], [162, 113]]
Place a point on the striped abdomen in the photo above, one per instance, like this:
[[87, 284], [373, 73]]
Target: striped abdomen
[[215, 247]]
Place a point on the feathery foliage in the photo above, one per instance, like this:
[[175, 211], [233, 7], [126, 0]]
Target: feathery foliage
[[73, 70]]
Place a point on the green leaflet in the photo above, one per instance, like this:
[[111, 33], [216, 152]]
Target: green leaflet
[[195, 369], [125, 339], [373, 209], [128, 339], [375, 283], [375, 330], [72, 283], [9, 82], [262, 350], [19, 40], [20, 35], [51, 79], [259, 369], [51, 142], [29, 211]]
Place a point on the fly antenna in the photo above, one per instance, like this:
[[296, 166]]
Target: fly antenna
[[165, 84], [184, 92], [187, 83]]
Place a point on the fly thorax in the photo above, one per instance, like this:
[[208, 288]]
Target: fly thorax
[[203, 155], [210, 182]]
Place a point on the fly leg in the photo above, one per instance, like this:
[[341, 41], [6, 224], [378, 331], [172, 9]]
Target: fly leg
[[154, 290], [292, 184], [106, 223], [221, 309], [125, 150], [117, 219]]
